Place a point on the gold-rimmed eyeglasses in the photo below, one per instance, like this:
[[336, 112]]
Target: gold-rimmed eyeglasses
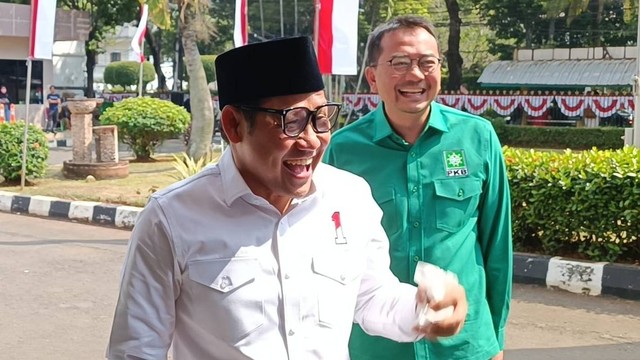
[[402, 64]]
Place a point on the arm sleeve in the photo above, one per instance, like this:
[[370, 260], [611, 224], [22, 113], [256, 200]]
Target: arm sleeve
[[494, 235], [385, 306], [145, 312]]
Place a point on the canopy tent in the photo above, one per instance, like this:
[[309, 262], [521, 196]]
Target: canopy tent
[[559, 73]]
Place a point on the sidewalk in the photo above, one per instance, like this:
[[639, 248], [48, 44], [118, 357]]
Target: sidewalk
[[583, 277]]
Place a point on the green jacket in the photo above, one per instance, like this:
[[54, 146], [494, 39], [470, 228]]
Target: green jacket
[[445, 201]]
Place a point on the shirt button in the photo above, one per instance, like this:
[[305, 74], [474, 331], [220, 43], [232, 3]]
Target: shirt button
[[415, 189], [342, 277], [416, 224], [416, 258], [286, 276], [413, 154], [291, 333]]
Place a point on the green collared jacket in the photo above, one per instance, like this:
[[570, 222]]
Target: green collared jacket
[[446, 202]]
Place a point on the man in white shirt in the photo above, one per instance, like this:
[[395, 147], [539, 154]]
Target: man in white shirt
[[268, 254]]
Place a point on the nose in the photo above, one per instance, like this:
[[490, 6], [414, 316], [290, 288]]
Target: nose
[[308, 139], [415, 71]]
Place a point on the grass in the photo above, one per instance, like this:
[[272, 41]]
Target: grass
[[134, 190]]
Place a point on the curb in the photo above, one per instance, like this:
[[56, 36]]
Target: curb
[[582, 277], [84, 211]]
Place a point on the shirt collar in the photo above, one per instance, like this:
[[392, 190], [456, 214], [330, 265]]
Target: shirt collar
[[233, 185], [382, 129]]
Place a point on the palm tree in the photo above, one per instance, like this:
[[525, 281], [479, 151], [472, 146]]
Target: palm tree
[[194, 24]]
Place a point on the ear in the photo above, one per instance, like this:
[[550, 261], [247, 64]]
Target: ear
[[370, 74], [231, 122]]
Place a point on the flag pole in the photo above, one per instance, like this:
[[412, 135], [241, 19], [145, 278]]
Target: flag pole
[[140, 77], [23, 173]]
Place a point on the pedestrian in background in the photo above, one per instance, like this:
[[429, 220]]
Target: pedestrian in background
[[6, 101], [53, 105]]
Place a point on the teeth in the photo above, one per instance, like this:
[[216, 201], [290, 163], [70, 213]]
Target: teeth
[[412, 91], [299, 161]]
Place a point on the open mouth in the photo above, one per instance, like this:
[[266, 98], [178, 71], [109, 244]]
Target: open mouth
[[298, 167], [412, 92]]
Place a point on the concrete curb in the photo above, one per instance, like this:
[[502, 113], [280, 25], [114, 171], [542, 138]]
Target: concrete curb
[[582, 277], [83, 211]]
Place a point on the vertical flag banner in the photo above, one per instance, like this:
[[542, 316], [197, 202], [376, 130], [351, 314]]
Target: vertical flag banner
[[240, 25], [138, 38], [43, 20], [337, 35]]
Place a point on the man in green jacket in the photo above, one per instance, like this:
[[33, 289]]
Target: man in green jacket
[[439, 176]]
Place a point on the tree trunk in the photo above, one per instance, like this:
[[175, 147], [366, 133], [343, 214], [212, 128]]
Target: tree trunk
[[597, 38], [454, 59], [90, 65], [154, 46], [201, 105]]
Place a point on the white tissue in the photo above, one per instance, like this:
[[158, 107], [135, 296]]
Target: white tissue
[[434, 280]]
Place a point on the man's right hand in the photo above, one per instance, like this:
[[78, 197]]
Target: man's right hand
[[455, 296]]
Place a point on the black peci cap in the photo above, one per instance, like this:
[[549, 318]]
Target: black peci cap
[[271, 68]]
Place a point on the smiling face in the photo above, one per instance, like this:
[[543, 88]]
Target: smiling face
[[409, 95], [275, 166]]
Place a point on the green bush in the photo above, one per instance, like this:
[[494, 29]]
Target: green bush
[[583, 204], [127, 73], [558, 137], [144, 122], [11, 136]]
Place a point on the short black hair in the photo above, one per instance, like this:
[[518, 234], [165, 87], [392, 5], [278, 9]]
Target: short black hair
[[400, 22]]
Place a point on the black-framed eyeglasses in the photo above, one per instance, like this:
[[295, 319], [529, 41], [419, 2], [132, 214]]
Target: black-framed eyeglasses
[[402, 64], [294, 120]]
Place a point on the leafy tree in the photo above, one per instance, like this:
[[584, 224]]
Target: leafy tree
[[105, 15], [194, 24], [127, 73]]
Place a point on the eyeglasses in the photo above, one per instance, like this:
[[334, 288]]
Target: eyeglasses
[[402, 64], [294, 120]]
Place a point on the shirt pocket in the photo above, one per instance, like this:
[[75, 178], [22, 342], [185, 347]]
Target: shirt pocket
[[230, 294], [456, 200], [337, 280]]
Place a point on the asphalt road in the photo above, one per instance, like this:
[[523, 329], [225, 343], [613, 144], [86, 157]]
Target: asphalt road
[[59, 283]]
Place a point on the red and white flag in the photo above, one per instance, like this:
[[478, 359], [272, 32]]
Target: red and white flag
[[138, 39], [240, 26], [43, 21], [337, 35]]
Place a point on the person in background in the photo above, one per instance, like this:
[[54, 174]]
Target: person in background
[[6, 101], [268, 254], [53, 103], [440, 178]]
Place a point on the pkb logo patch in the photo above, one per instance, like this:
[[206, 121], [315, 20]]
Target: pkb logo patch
[[454, 163]]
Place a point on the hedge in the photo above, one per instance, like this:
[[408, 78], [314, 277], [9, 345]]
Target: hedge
[[127, 73]]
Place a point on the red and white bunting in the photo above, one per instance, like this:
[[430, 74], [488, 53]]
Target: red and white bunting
[[451, 100], [604, 106], [240, 25], [476, 104], [505, 104], [572, 105], [533, 105], [43, 20]]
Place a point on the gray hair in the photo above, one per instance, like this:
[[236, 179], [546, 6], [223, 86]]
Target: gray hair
[[399, 22]]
